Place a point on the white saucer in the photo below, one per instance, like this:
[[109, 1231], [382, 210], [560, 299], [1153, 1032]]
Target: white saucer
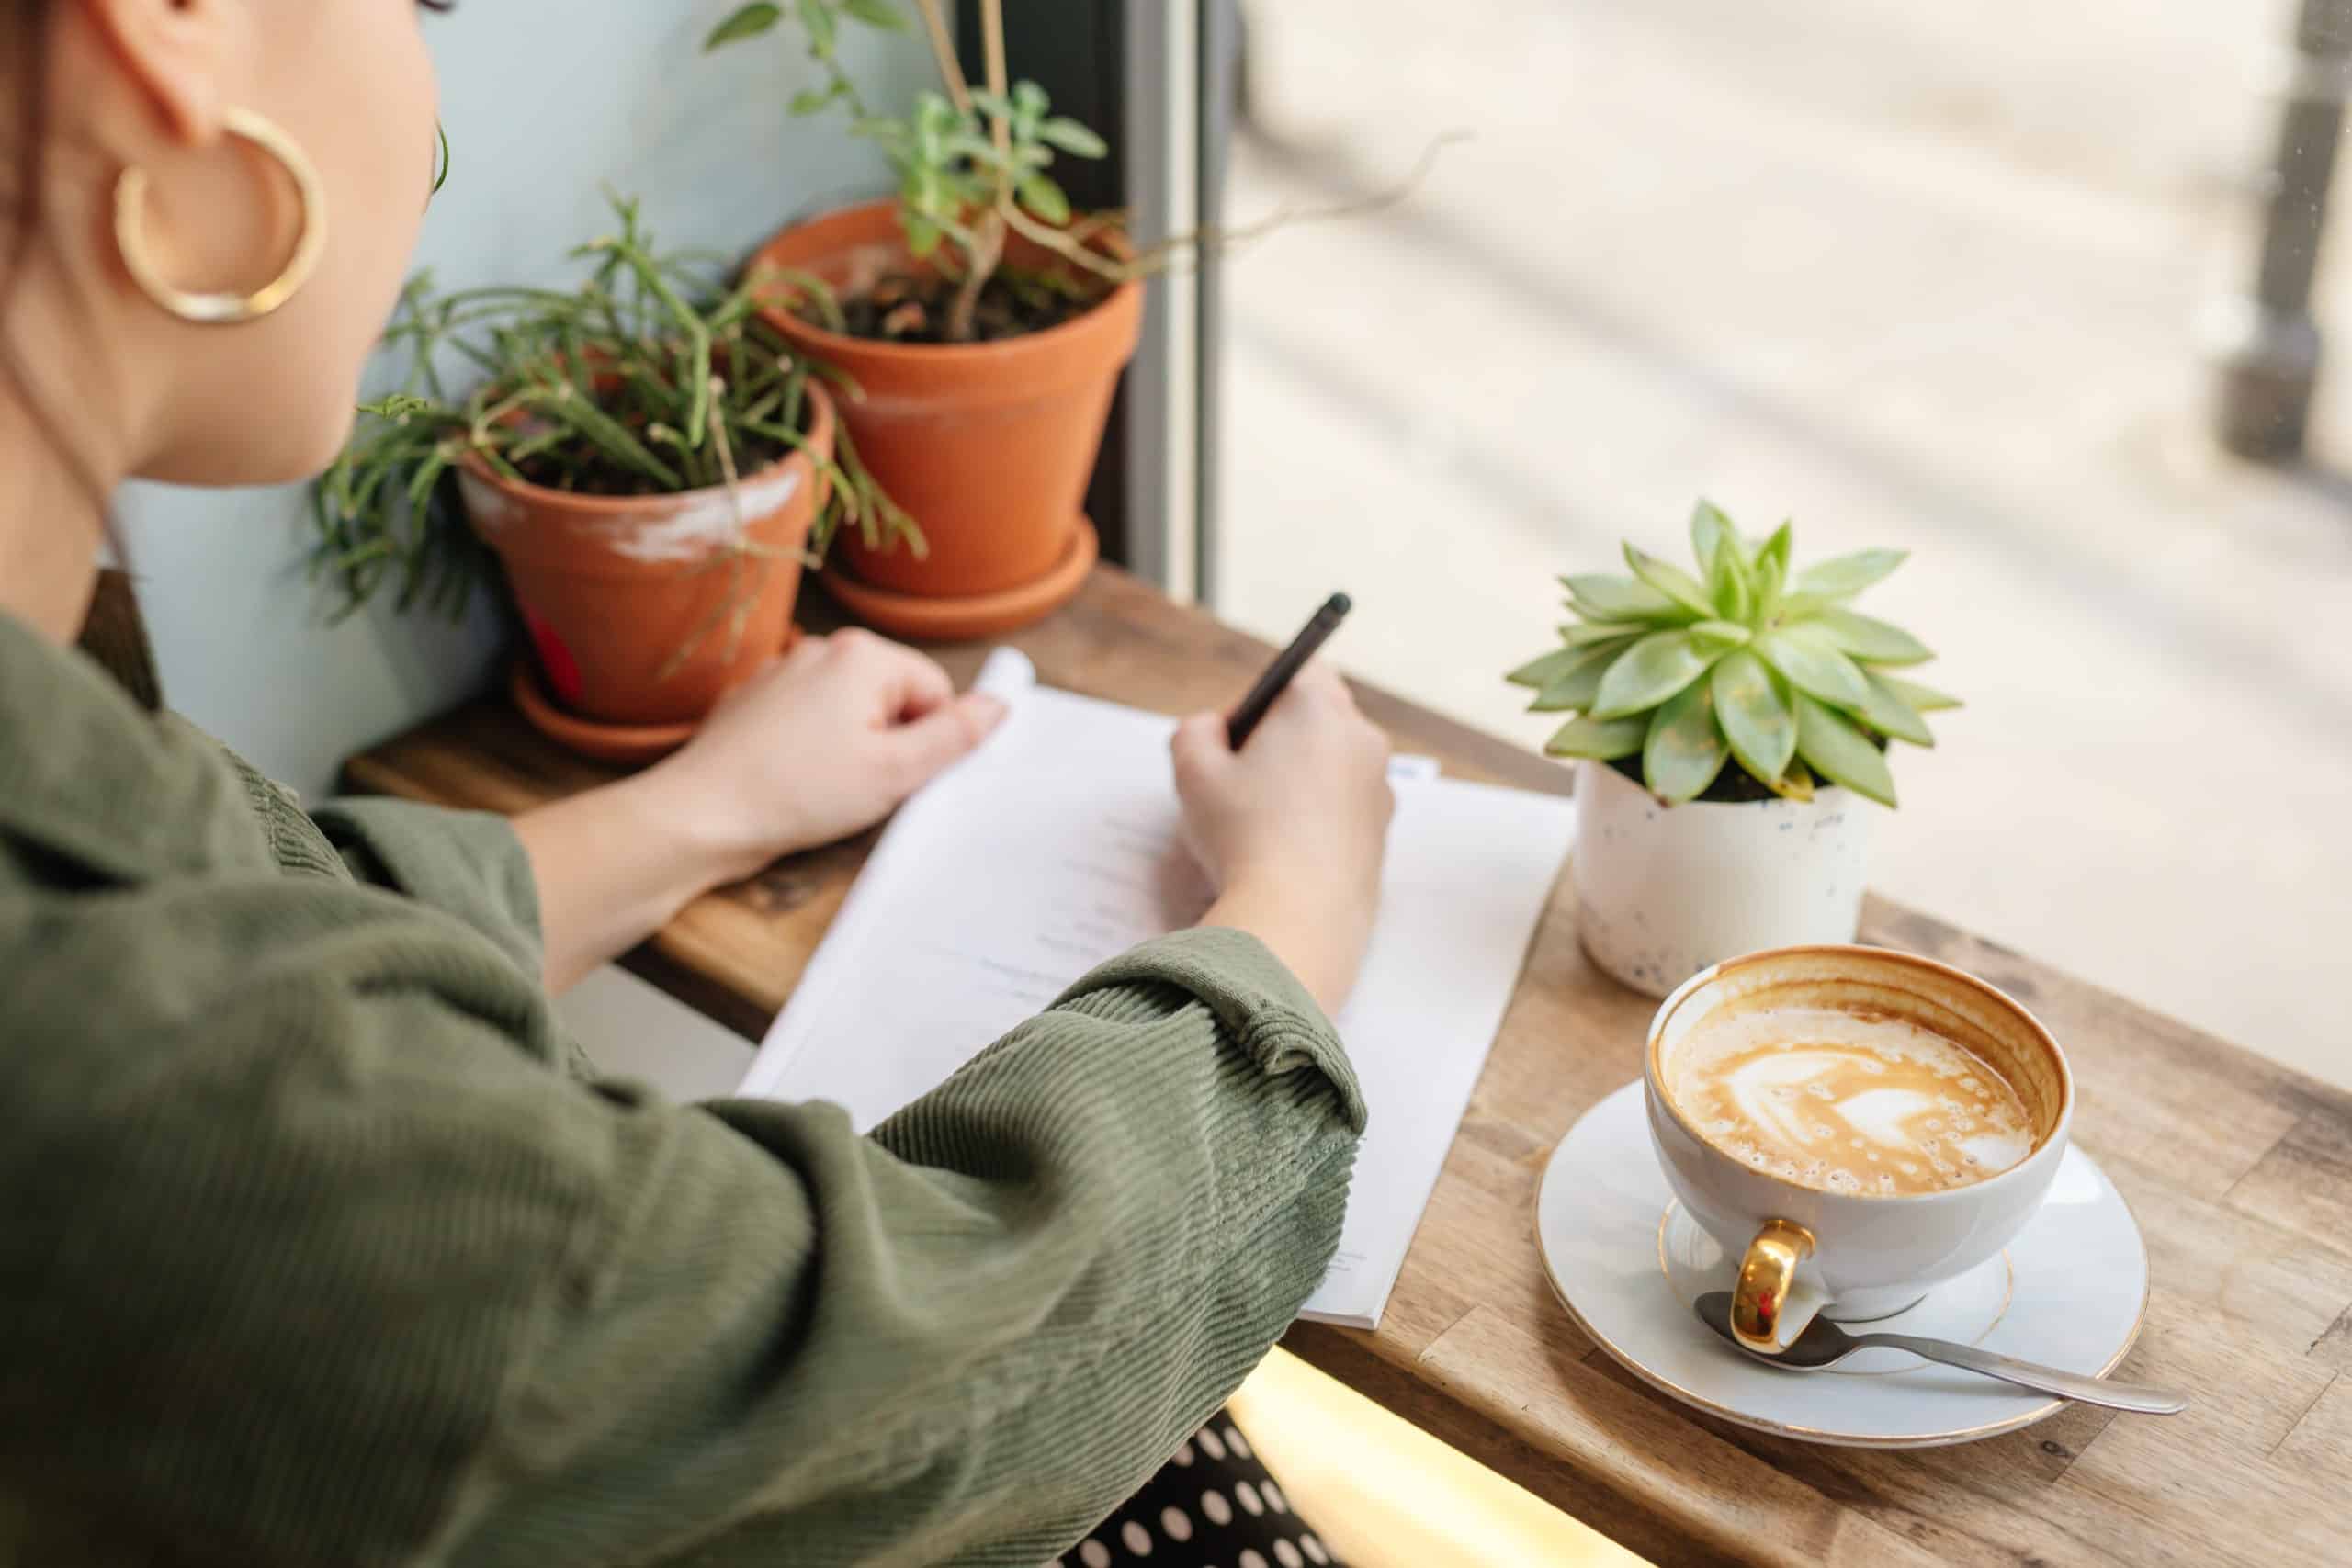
[[1627, 1263]]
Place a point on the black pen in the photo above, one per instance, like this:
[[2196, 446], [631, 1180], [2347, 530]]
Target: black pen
[[1287, 664]]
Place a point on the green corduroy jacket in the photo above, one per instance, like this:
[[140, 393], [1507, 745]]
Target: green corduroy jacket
[[320, 1248]]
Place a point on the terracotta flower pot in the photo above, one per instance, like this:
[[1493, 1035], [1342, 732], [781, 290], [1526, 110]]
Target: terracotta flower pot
[[989, 446], [642, 609]]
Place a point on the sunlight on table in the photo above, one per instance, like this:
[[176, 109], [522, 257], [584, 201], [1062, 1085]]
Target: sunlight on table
[[1386, 1495]]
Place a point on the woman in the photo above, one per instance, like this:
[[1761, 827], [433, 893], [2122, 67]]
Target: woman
[[315, 1253]]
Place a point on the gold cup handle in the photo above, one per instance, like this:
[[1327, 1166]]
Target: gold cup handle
[[1767, 1275]]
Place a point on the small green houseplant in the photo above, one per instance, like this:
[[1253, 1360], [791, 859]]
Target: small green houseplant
[[1721, 718], [972, 163], [991, 320], [646, 456], [996, 319], [1746, 661], [975, 164]]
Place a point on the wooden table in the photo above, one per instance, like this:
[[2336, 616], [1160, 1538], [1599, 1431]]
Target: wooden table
[[2240, 1172]]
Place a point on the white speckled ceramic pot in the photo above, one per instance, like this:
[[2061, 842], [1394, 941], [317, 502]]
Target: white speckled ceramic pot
[[1663, 892]]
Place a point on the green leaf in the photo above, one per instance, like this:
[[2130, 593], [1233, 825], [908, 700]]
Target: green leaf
[[1656, 620], [971, 144], [1604, 596], [1755, 716], [935, 123], [1601, 741], [1795, 784], [933, 113], [1709, 530], [1716, 636], [922, 234], [1578, 634], [1684, 749], [1073, 138], [1890, 714], [1576, 685], [1833, 748], [817, 18], [1876, 640], [1541, 673], [876, 14], [1917, 698], [1731, 582], [1773, 554], [1842, 577], [748, 22], [1041, 196], [1669, 579], [1766, 584], [1647, 673], [808, 100], [1812, 665]]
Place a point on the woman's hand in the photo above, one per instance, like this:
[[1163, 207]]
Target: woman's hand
[[1294, 827], [821, 744], [824, 743]]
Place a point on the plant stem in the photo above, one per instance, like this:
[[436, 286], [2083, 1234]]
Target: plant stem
[[986, 254], [992, 44], [943, 50], [1157, 259], [987, 250]]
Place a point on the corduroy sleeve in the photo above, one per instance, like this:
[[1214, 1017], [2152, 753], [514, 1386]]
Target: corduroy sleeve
[[467, 863], [313, 1258]]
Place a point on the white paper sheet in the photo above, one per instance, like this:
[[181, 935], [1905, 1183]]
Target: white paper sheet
[[1058, 845]]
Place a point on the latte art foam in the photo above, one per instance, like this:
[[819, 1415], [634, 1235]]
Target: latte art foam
[[1846, 1102]]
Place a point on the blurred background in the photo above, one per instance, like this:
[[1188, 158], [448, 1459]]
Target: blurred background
[[1936, 278], [1922, 276]]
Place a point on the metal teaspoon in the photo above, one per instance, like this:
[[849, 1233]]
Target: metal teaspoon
[[1824, 1344]]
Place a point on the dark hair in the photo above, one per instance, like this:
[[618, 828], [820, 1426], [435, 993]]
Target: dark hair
[[20, 196], [114, 632], [24, 86]]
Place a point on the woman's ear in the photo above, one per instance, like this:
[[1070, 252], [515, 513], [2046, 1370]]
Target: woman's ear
[[175, 52]]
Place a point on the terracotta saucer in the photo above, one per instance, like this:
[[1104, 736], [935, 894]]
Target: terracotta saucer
[[631, 743], [923, 619]]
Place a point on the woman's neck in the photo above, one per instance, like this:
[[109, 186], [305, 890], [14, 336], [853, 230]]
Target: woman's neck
[[51, 522]]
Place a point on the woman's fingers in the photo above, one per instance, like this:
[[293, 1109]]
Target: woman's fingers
[[948, 732], [906, 684], [1199, 747]]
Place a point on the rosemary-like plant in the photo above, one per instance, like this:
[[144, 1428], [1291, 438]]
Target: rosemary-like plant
[[654, 376]]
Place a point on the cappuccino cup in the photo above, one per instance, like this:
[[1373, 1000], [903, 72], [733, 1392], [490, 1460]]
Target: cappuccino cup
[[1855, 1125]]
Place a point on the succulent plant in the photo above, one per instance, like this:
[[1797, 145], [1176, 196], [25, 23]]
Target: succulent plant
[[1746, 661]]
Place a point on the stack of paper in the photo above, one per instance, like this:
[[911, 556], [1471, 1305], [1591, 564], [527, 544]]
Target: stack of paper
[[1058, 845]]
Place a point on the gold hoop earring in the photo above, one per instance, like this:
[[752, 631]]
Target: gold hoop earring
[[227, 309]]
